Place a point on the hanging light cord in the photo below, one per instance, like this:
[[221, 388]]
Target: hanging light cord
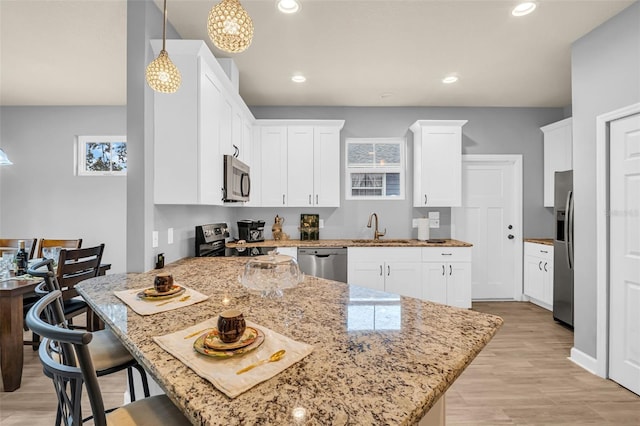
[[164, 26]]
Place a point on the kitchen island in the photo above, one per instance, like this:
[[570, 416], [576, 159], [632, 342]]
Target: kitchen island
[[378, 358]]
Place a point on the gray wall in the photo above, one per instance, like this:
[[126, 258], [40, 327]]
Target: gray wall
[[489, 131], [605, 76], [42, 198]]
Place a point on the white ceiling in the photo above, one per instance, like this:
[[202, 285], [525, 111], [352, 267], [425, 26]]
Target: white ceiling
[[354, 53]]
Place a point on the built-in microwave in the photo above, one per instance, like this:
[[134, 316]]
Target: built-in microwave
[[237, 183]]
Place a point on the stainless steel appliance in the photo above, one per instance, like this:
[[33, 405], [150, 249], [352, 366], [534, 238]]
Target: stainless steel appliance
[[210, 239], [251, 231], [237, 183], [563, 248], [325, 262]]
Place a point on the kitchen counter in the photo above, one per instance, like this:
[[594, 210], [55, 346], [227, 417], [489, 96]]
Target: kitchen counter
[[545, 241], [378, 358], [352, 243]]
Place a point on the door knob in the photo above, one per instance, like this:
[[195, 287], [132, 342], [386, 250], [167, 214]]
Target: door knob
[[511, 237], [510, 227]]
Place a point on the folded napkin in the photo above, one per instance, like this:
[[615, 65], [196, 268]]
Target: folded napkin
[[222, 371], [150, 307]]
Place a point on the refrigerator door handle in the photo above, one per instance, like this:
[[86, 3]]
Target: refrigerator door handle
[[570, 226], [566, 228]]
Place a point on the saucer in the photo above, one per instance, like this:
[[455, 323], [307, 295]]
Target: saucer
[[212, 341], [151, 293], [200, 347]]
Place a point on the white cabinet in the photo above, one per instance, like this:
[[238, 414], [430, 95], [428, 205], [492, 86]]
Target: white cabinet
[[538, 274], [392, 269], [437, 163], [446, 275], [299, 163], [558, 155], [195, 126]]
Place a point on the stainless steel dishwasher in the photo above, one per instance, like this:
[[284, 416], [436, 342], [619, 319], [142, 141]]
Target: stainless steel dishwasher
[[324, 262]]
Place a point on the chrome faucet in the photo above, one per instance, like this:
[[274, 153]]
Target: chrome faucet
[[376, 234]]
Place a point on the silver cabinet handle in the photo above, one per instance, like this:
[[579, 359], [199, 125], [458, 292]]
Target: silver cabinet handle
[[388, 270], [543, 251], [443, 270], [425, 199], [446, 254], [380, 270], [309, 199], [317, 199], [540, 265], [450, 270], [545, 267], [283, 199]]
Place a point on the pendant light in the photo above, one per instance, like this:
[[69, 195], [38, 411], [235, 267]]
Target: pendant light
[[230, 27], [4, 160], [162, 75]]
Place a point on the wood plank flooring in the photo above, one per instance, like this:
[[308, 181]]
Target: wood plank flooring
[[522, 377]]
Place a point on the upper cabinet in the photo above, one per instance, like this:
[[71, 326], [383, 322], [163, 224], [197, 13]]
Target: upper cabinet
[[437, 163], [299, 163], [558, 155], [194, 127]]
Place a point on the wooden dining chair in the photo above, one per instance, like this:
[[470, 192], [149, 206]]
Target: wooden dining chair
[[74, 266], [108, 353], [7, 244], [67, 358], [68, 244]]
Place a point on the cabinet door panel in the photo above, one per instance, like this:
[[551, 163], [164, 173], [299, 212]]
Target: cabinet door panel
[[533, 277], [434, 282], [403, 278], [210, 161], [300, 164], [368, 274], [273, 145], [459, 284], [326, 172]]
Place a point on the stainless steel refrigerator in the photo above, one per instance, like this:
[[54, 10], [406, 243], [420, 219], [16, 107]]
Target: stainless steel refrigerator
[[563, 248]]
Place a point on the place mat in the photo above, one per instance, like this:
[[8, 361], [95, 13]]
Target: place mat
[[150, 307], [221, 372]]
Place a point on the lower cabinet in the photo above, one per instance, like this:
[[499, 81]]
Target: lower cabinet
[[441, 275], [538, 274], [446, 275], [391, 269]]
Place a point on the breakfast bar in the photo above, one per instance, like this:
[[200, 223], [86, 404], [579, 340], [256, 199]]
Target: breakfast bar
[[376, 358]]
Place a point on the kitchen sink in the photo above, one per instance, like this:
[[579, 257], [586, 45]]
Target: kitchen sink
[[383, 241]]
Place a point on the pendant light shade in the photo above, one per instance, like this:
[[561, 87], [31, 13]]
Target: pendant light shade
[[4, 160], [162, 75], [230, 27]]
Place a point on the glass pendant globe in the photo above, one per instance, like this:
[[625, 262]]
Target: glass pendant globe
[[230, 27], [162, 75]]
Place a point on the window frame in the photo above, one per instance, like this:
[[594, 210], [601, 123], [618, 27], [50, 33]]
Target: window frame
[[81, 155], [401, 169]]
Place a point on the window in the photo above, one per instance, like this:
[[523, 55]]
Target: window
[[375, 169], [102, 156]]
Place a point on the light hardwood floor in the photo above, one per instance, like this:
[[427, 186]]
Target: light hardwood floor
[[522, 377]]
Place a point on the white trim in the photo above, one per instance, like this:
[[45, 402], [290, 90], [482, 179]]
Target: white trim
[[583, 360], [602, 234], [516, 160]]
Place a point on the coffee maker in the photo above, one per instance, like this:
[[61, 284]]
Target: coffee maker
[[251, 230]]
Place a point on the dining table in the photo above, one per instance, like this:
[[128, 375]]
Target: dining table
[[376, 358]]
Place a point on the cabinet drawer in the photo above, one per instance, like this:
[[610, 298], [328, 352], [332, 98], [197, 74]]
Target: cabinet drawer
[[538, 250], [385, 254], [446, 254]]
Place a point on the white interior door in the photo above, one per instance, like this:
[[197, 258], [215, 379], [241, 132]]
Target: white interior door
[[490, 219], [624, 246]]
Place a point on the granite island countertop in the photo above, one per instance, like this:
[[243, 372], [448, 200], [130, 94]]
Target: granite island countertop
[[378, 358], [382, 242]]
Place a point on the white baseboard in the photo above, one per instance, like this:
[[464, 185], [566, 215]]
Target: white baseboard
[[583, 360]]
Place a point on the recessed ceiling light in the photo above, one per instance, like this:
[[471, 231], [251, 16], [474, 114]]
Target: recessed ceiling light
[[524, 8], [288, 6], [450, 79], [298, 78]]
